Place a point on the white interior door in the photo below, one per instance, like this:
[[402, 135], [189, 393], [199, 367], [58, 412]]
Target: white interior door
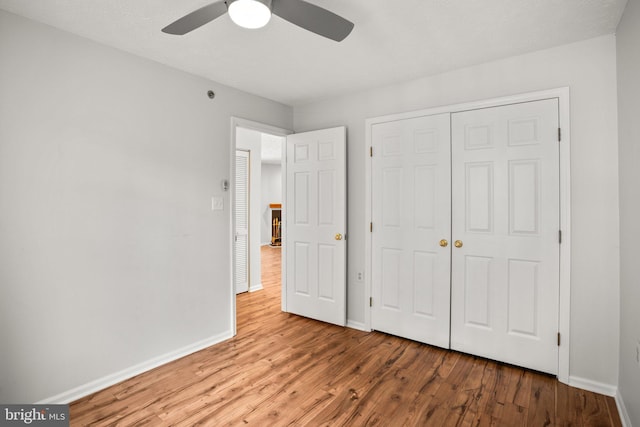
[[242, 222], [315, 225], [411, 205], [505, 276]]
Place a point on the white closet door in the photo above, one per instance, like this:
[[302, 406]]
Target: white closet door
[[505, 277], [316, 223], [411, 201], [242, 222]]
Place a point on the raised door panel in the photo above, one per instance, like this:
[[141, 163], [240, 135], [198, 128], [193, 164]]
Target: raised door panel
[[524, 197], [479, 203], [424, 279], [391, 267], [301, 266], [302, 202], [424, 196], [326, 196], [523, 288], [477, 291], [326, 271]]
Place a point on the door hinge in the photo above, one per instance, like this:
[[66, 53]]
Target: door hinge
[[558, 339], [560, 236], [370, 151], [370, 301], [559, 134], [370, 227]]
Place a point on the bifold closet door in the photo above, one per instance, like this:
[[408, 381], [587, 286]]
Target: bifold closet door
[[242, 222], [505, 203], [411, 224]]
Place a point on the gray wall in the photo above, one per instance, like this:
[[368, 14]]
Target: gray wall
[[628, 38], [110, 254], [589, 69]]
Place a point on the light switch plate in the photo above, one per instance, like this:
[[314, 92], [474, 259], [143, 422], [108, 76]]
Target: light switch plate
[[217, 203]]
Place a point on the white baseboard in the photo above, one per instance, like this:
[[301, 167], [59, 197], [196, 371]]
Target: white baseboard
[[622, 410], [356, 325], [607, 390], [125, 374], [593, 386], [257, 287]]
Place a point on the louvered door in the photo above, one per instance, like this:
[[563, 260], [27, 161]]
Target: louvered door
[[242, 222]]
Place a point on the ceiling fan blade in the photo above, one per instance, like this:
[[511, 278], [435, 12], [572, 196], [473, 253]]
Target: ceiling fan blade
[[196, 19], [313, 18]]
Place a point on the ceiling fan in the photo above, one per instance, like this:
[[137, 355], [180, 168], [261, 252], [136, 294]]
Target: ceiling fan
[[256, 14]]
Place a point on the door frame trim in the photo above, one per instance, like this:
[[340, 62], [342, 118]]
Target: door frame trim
[[563, 96], [237, 122]]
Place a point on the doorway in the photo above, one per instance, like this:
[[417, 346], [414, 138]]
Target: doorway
[[314, 186], [262, 146], [271, 212], [258, 199]]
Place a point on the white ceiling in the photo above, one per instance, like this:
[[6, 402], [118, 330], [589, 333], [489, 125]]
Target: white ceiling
[[393, 40]]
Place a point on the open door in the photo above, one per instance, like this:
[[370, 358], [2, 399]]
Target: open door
[[315, 225]]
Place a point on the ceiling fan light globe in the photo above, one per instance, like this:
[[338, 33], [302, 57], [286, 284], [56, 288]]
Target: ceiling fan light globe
[[250, 14]]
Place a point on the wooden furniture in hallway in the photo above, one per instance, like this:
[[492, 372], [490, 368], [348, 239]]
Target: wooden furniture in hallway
[[276, 224]]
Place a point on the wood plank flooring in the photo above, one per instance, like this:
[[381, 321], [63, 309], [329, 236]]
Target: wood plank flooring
[[285, 370]]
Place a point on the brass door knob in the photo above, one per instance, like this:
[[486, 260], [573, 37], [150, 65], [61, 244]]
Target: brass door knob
[[338, 236], [444, 243], [458, 243]]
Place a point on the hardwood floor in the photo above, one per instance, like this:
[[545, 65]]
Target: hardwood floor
[[283, 370]]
